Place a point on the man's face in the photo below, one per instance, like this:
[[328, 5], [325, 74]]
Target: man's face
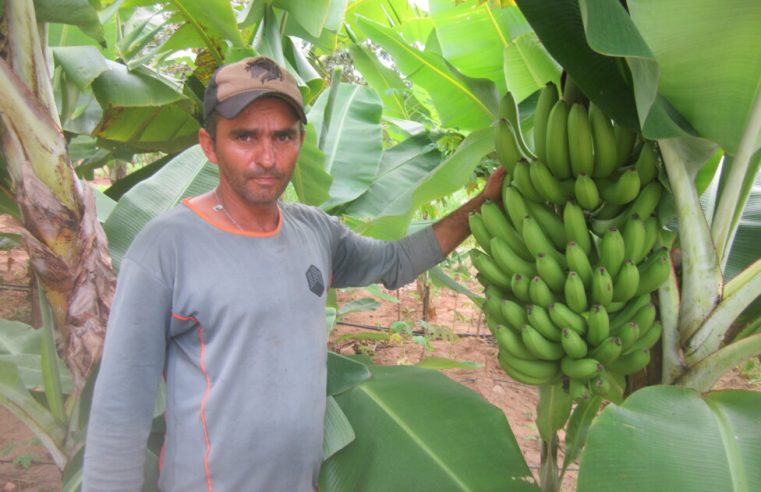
[[256, 151]]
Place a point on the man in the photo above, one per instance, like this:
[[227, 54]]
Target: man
[[225, 297]]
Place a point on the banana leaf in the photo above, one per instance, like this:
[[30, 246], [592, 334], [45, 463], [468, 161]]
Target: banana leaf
[[416, 429], [462, 102], [189, 174], [671, 438]]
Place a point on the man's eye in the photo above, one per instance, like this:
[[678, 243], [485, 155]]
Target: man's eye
[[284, 137]]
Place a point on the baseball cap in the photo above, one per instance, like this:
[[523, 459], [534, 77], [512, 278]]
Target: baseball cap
[[236, 85]]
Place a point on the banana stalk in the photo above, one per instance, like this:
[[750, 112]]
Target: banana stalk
[[703, 375], [726, 218], [60, 227], [701, 276], [668, 298], [712, 333]]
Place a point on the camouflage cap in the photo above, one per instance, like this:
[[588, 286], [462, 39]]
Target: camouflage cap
[[236, 85]]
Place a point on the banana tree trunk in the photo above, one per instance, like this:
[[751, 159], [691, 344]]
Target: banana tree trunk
[[58, 223]]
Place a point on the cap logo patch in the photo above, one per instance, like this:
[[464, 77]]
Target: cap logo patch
[[264, 69]]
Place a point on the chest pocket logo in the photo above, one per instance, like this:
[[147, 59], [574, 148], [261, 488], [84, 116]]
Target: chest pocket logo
[[314, 280]]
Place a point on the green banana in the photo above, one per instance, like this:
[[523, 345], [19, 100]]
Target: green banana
[[506, 145], [629, 333], [508, 110], [515, 206], [563, 316], [626, 282], [491, 307], [598, 325], [479, 231], [556, 154], [542, 369], [625, 140], [634, 238], [599, 226], [627, 313], [649, 338], [647, 200], [580, 368], [578, 262], [575, 347], [522, 377], [653, 273], [622, 190], [537, 241], [575, 294], [615, 306], [608, 351], [647, 162], [580, 144], [602, 286], [522, 181], [511, 342], [489, 270], [540, 320], [600, 385], [645, 317], [547, 185], [608, 211], [539, 346], [519, 285], [612, 250], [513, 313], [498, 225], [630, 363], [575, 227], [578, 389], [547, 99], [550, 223], [586, 192], [508, 260], [652, 229], [551, 271], [539, 292], [606, 153]]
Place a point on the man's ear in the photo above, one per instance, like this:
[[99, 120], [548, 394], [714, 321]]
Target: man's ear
[[207, 144]]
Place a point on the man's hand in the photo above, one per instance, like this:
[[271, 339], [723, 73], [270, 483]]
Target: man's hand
[[493, 189], [453, 229]]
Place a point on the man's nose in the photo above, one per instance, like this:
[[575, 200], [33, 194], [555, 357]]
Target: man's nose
[[266, 155]]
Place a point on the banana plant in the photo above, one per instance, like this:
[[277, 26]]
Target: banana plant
[[646, 78]]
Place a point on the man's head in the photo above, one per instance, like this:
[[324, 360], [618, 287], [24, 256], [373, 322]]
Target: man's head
[[236, 85]]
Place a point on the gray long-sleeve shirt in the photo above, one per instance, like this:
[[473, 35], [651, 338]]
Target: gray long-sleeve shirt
[[235, 323]]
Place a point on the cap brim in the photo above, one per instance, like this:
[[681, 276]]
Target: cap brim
[[232, 106]]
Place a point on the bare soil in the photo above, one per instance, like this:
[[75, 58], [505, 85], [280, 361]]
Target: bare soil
[[455, 331]]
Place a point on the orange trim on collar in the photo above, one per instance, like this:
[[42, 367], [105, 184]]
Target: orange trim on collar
[[207, 218]]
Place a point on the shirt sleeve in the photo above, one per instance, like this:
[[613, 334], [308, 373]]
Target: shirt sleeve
[[360, 260], [125, 390]]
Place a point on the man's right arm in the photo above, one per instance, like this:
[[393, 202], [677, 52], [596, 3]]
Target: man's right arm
[[125, 390]]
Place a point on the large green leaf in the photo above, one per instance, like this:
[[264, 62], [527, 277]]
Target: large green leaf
[[403, 169], [309, 179], [311, 15], [398, 101], [493, 43], [391, 12], [707, 52], [419, 188], [20, 346], [187, 175], [352, 144], [82, 64], [143, 111], [670, 438], [416, 429], [211, 18], [461, 102], [558, 23], [79, 13]]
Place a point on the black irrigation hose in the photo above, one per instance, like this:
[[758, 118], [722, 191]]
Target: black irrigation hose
[[414, 332], [21, 287]]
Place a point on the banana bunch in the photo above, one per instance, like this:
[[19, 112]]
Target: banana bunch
[[570, 259]]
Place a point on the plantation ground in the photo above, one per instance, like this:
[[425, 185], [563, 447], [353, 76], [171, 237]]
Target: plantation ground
[[456, 331]]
